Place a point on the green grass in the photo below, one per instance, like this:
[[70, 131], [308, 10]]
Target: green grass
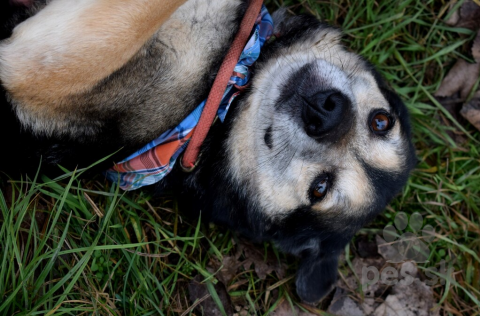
[[72, 247]]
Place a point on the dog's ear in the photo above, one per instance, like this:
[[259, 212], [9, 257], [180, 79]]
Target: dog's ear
[[305, 30], [316, 276], [71, 45], [285, 23]]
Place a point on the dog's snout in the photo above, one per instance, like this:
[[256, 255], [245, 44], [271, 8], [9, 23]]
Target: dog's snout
[[327, 115]]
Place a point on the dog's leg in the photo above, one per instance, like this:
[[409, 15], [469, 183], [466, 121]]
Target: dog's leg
[[71, 45]]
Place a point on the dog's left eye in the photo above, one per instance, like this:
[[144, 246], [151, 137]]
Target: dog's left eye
[[320, 188]]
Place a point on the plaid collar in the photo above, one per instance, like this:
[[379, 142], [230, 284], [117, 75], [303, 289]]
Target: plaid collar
[[155, 160]]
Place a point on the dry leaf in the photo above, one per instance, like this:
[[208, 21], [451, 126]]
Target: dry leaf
[[263, 266], [460, 79], [379, 299], [229, 269], [388, 252], [476, 48], [414, 299], [245, 311], [471, 111], [454, 17], [199, 291], [342, 305], [468, 16], [391, 306], [348, 284]]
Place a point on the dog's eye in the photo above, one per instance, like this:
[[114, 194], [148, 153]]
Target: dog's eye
[[380, 122], [320, 188]]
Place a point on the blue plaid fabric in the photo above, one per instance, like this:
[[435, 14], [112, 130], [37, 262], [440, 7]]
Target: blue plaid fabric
[[155, 160]]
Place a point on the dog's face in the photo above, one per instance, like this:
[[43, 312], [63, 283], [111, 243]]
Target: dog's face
[[316, 149], [315, 126]]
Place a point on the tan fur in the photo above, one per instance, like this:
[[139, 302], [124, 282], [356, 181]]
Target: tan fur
[[352, 189], [71, 45], [385, 155]]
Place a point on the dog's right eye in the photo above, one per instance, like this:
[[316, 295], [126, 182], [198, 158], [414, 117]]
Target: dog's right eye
[[320, 188]]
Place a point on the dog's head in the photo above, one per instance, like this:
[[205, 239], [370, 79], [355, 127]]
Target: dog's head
[[317, 148]]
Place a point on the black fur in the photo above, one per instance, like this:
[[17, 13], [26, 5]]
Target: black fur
[[10, 15], [315, 238]]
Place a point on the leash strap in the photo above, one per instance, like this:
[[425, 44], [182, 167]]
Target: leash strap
[[219, 85]]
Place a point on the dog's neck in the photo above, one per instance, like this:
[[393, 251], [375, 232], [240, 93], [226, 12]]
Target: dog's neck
[[154, 161]]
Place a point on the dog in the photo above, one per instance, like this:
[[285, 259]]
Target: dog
[[313, 149]]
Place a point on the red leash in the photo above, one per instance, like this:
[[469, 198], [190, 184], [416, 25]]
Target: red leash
[[219, 85]]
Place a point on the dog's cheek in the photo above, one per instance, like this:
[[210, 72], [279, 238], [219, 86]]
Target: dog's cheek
[[316, 277]]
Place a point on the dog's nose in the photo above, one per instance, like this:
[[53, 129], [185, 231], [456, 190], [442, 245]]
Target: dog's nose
[[327, 115]]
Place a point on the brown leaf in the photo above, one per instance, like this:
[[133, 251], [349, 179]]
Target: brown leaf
[[460, 79], [468, 16], [409, 299], [199, 292], [476, 48], [229, 269], [386, 250], [471, 111], [454, 17], [263, 266], [342, 305]]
